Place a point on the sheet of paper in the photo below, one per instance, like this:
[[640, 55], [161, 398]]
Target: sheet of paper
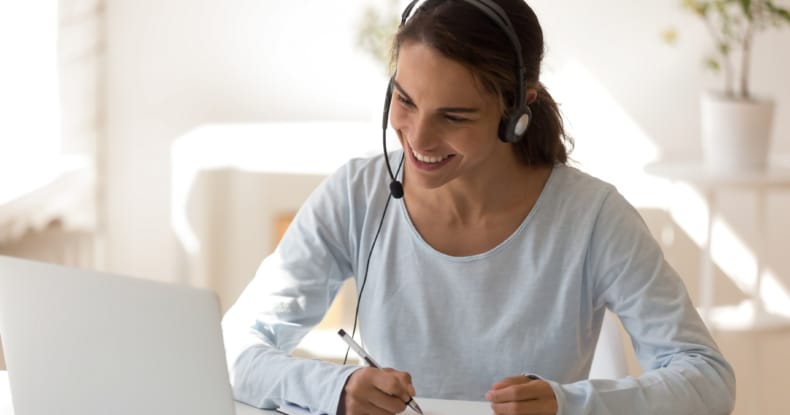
[[450, 407], [429, 407]]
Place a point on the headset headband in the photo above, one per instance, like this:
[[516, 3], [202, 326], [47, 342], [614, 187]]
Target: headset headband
[[499, 17]]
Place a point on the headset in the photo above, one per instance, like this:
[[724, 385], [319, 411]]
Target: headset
[[513, 125]]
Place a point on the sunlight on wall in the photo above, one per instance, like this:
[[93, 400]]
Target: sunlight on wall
[[689, 210], [772, 310], [609, 144], [612, 146], [774, 295], [737, 260]]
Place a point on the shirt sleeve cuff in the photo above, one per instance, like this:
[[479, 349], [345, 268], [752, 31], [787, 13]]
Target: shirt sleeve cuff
[[333, 400], [559, 394]]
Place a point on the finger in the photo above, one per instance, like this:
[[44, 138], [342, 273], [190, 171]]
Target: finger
[[405, 379], [387, 403], [513, 380], [534, 389], [370, 400], [362, 397], [395, 384]]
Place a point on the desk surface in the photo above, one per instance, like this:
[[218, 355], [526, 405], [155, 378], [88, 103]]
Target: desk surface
[[431, 406], [6, 408]]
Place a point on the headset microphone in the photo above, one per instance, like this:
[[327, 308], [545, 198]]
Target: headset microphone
[[396, 187], [396, 191]]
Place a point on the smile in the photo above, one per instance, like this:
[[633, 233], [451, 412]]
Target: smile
[[429, 159]]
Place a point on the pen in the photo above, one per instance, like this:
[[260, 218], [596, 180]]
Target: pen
[[372, 363]]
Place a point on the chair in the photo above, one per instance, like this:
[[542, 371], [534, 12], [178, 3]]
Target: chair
[[609, 360]]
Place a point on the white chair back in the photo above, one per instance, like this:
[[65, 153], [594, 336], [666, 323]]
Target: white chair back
[[609, 361]]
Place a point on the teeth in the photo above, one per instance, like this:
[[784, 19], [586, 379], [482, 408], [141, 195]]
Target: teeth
[[428, 159]]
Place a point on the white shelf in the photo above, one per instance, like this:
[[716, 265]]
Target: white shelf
[[776, 175], [35, 193]]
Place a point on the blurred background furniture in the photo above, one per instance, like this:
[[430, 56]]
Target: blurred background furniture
[[712, 184]]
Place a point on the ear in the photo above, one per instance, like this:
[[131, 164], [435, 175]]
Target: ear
[[532, 95]]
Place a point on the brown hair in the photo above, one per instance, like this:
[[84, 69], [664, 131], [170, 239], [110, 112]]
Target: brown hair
[[463, 33]]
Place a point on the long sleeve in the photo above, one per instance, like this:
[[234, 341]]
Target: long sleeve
[[289, 295], [581, 250], [684, 372]]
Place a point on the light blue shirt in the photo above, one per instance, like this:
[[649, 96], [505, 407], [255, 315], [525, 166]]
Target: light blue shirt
[[534, 303]]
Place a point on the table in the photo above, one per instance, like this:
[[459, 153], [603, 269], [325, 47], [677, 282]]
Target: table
[[776, 177], [6, 407]]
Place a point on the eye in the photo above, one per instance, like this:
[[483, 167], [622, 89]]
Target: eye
[[455, 119], [405, 101]]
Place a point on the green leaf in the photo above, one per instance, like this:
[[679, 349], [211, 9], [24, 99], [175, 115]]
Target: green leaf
[[712, 64], [724, 48], [778, 11], [746, 8], [721, 8], [697, 7]]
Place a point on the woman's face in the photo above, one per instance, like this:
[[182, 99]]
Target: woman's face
[[445, 121]]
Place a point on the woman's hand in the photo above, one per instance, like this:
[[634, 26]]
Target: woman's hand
[[376, 392], [521, 395]]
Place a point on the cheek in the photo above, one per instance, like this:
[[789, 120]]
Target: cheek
[[398, 117]]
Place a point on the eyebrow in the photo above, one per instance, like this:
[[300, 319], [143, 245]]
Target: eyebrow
[[442, 109]]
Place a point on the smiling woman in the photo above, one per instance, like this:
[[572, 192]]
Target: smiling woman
[[486, 243]]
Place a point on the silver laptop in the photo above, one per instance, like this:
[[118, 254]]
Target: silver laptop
[[90, 343]]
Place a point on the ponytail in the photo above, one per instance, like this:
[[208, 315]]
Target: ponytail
[[457, 31], [544, 143]]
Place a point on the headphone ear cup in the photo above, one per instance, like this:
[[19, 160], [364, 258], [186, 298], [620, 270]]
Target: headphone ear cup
[[522, 122], [512, 129], [502, 130]]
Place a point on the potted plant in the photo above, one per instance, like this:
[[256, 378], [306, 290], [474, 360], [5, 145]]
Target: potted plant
[[736, 125], [375, 31]]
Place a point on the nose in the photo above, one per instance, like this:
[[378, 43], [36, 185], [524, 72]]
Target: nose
[[413, 127], [422, 135]]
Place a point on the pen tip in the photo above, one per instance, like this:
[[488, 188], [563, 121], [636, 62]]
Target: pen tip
[[414, 406]]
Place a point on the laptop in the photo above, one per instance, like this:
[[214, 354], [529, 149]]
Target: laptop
[[89, 343]]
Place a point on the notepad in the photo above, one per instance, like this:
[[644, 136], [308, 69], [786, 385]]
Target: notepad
[[429, 407]]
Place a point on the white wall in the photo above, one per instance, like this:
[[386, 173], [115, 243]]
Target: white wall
[[176, 64], [658, 85]]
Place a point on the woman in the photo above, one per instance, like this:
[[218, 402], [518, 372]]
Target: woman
[[499, 260]]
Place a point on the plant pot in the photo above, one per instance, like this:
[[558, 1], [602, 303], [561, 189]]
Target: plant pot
[[736, 133]]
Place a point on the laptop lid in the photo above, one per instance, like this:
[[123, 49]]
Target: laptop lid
[[89, 343]]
